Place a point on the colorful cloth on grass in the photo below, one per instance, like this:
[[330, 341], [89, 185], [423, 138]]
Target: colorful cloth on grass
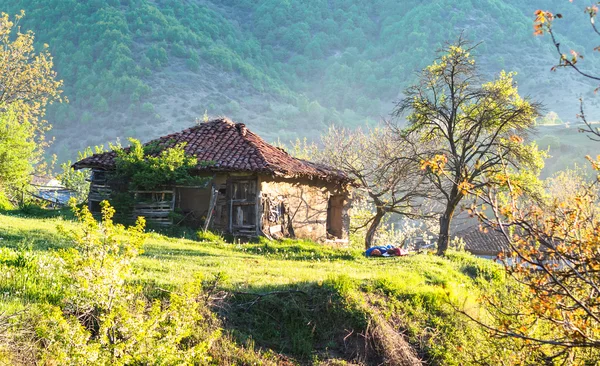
[[381, 248], [386, 252]]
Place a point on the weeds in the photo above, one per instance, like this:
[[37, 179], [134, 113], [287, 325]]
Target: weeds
[[311, 302]]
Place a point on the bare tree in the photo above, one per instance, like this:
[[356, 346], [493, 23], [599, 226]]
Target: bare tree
[[380, 169], [462, 130]]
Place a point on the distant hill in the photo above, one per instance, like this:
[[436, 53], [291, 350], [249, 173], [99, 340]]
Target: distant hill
[[289, 68]]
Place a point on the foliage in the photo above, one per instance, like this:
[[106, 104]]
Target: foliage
[[98, 265], [554, 250], [5, 203], [81, 305], [17, 151], [209, 236], [28, 83], [360, 54], [461, 132], [28, 79], [554, 258], [345, 290], [149, 167]]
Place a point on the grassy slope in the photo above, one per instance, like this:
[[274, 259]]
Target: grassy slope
[[173, 261], [343, 289]]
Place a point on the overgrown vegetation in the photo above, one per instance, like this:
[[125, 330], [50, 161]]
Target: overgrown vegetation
[[78, 291], [149, 167], [82, 305], [310, 302]]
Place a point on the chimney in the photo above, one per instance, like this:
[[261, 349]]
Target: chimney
[[242, 128]]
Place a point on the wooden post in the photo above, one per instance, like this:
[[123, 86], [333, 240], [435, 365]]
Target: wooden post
[[258, 208], [211, 206]]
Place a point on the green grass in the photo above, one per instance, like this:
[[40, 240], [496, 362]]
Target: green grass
[[174, 261], [334, 291]]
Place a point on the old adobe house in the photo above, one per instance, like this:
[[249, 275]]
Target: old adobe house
[[253, 188]]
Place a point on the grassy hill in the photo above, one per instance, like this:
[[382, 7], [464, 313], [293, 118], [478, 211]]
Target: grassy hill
[[271, 302], [143, 68]]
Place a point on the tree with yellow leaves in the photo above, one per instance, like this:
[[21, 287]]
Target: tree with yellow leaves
[[462, 129], [554, 248], [28, 82], [554, 256]]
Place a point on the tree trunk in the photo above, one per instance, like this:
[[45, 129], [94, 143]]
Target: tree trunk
[[444, 236], [373, 227]]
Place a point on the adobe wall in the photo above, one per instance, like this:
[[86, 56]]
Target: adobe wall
[[305, 204]]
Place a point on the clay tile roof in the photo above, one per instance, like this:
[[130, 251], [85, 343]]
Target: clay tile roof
[[484, 243], [230, 146]]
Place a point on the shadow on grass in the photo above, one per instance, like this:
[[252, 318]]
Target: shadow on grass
[[37, 212], [305, 320], [37, 239], [166, 253], [286, 249]]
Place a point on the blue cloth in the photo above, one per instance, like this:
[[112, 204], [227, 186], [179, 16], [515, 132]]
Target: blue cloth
[[381, 248]]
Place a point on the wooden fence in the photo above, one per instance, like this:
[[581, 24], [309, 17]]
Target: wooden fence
[[155, 206]]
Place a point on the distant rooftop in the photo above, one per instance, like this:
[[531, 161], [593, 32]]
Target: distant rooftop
[[489, 243]]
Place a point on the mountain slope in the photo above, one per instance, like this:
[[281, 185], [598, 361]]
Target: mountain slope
[[142, 68]]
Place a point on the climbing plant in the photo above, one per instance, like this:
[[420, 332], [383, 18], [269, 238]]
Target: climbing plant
[[151, 166]]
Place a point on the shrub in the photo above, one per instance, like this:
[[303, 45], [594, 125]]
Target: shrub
[[102, 316], [5, 203], [152, 166], [209, 236]]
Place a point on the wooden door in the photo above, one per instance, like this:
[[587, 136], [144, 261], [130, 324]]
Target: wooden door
[[243, 209]]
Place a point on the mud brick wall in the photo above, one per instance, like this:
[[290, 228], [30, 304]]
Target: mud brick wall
[[306, 202]]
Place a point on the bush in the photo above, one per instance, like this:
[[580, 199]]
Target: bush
[[549, 142], [98, 315], [147, 108], [5, 204], [146, 167], [209, 236]]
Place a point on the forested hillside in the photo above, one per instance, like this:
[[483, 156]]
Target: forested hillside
[[286, 68]]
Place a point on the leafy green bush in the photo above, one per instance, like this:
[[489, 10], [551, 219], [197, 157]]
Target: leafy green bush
[[81, 306], [5, 203], [151, 166], [209, 236]]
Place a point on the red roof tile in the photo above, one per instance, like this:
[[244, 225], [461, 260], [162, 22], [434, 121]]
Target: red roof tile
[[231, 147], [484, 243]]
